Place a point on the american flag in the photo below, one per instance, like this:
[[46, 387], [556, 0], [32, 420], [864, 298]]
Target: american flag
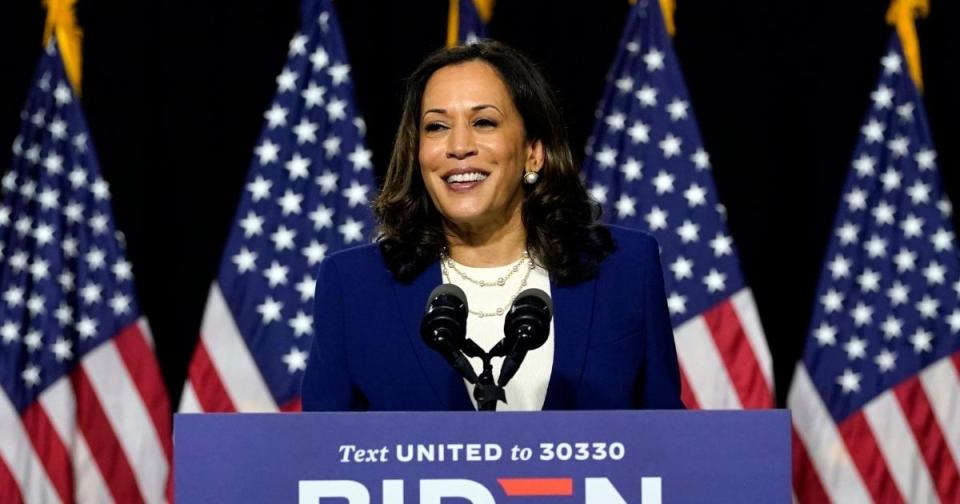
[[84, 416], [307, 195], [646, 165], [466, 25], [876, 399]]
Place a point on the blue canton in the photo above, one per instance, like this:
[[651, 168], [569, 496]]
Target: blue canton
[[471, 27]]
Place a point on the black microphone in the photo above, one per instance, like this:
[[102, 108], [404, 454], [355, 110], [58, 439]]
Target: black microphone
[[444, 327], [525, 328]]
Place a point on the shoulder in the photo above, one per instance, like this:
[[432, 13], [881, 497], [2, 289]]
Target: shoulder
[[360, 255], [632, 244], [632, 275], [635, 260], [361, 264]]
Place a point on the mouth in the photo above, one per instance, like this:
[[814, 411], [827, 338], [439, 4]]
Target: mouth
[[464, 179]]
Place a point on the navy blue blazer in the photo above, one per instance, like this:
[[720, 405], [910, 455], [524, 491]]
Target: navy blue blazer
[[613, 339]]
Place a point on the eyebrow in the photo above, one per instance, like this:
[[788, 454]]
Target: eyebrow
[[475, 109]]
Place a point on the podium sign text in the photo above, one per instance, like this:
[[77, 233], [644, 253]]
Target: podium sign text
[[613, 457]]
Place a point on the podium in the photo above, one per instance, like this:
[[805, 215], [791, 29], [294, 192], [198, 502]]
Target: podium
[[582, 457]]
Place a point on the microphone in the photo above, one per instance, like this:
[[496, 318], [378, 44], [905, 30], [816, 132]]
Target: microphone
[[444, 327], [525, 328]]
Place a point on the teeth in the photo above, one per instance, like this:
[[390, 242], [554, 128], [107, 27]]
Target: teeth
[[466, 177]]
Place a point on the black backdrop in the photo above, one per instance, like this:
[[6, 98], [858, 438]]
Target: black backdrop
[[174, 92]]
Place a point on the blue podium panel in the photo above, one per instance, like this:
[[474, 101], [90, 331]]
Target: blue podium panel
[[583, 457]]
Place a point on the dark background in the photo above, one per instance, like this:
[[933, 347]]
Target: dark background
[[174, 93]]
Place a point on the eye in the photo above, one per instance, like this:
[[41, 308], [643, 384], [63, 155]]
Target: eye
[[484, 122], [433, 127]]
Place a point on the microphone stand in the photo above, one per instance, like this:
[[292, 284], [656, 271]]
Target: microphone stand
[[522, 338], [486, 391]]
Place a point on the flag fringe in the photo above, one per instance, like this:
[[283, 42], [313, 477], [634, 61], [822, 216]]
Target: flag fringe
[[453, 23], [62, 23], [902, 15]]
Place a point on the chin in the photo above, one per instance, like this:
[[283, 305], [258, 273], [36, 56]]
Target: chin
[[462, 208], [465, 217]]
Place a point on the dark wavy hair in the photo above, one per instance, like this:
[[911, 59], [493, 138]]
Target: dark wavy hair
[[563, 233]]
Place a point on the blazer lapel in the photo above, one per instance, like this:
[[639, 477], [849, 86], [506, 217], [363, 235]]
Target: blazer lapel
[[446, 384], [572, 314]]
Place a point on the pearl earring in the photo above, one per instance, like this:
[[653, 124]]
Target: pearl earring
[[531, 177]]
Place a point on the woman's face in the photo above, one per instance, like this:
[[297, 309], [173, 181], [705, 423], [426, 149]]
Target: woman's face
[[473, 149]]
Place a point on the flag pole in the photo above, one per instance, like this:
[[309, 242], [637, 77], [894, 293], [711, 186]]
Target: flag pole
[[62, 23], [902, 15], [453, 23]]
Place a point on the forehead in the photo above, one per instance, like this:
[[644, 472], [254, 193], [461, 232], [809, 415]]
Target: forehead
[[471, 82]]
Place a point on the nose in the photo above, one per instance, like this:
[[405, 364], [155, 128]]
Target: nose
[[461, 143]]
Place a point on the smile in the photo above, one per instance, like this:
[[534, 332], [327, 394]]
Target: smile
[[464, 177]]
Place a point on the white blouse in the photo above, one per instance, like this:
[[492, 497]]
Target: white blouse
[[527, 389]]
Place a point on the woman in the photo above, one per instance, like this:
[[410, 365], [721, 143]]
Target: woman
[[482, 192]]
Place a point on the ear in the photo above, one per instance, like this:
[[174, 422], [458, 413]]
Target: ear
[[535, 156]]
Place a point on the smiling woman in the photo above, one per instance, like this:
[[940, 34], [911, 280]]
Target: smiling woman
[[486, 106], [473, 152], [482, 192]]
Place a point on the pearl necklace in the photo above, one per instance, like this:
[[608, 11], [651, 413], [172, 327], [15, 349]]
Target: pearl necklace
[[446, 261], [501, 281]]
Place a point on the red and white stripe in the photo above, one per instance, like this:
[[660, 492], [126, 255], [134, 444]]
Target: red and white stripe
[[223, 376], [724, 359], [98, 435], [902, 446]]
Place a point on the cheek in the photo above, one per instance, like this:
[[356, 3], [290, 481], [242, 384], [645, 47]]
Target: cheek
[[430, 155], [431, 183], [513, 155]]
